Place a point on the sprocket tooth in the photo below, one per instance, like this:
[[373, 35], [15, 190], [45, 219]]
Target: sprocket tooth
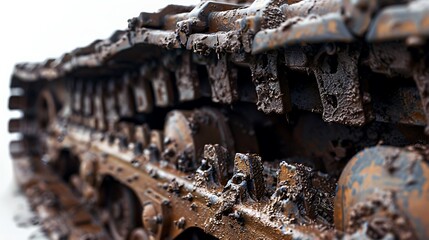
[[302, 192], [23, 125], [250, 165], [18, 102], [156, 146], [19, 148], [126, 134], [287, 174], [142, 136], [217, 157]]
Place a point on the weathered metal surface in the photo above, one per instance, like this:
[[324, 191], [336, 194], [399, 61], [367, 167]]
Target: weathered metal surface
[[233, 120], [187, 79], [162, 88], [313, 29], [400, 177], [270, 84], [61, 212], [223, 80], [401, 22]]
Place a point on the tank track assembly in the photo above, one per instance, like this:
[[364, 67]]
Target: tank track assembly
[[270, 119]]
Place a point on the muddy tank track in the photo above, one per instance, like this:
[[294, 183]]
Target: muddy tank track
[[248, 120]]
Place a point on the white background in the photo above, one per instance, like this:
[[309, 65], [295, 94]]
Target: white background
[[34, 31]]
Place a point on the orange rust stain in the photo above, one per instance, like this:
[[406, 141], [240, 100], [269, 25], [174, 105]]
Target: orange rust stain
[[390, 27], [417, 200], [425, 22], [339, 209], [225, 21], [406, 27], [417, 207], [250, 23], [348, 200], [320, 29], [299, 33], [383, 29], [418, 116], [288, 175], [373, 170], [344, 196], [332, 26]]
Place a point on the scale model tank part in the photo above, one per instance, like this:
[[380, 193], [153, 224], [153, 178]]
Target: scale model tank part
[[265, 119]]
